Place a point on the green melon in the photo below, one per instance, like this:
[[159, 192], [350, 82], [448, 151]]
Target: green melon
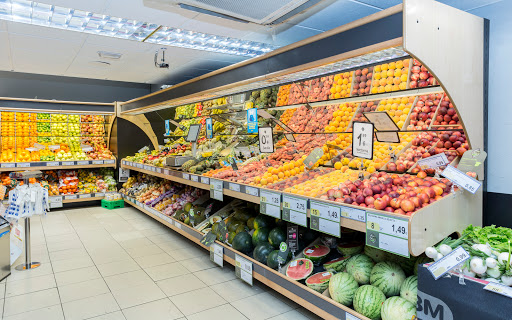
[[397, 308], [250, 223], [350, 249], [420, 260], [299, 269], [316, 253], [360, 267], [242, 242], [262, 221], [262, 251], [260, 236], [319, 281], [368, 301], [377, 255], [342, 287], [336, 265], [272, 261], [409, 289], [276, 236], [388, 277]]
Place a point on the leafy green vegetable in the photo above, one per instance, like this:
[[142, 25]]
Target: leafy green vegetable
[[497, 237]]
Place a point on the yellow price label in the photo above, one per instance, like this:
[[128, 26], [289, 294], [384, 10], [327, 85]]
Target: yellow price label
[[238, 264], [439, 272], [344, 214], [372, 226], [212, 187], [263, 199], [315, 212], [286, 205]]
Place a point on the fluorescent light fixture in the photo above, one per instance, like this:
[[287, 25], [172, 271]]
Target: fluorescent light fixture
[[40, 14], [109, 55]]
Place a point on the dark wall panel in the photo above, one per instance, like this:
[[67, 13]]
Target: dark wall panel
[[130, 138], [497, 209]]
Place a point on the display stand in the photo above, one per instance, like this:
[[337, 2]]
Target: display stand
[[29, 264]]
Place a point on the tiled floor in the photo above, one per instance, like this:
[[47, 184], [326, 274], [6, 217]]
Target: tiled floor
[[121, 264]]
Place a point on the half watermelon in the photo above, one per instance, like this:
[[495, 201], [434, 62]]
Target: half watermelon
[[350, 249], [316, 253], [319, 281], [336, 265], [299, 269]]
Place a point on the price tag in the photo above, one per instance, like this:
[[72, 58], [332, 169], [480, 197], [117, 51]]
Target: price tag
[[87, 195], [325, 218], [68, 163], [293, 237], [387, 233], [499, 288], [146, 167], [295, 210], [55, 202], [252, 191], [353, 213], [82, 163], [461, 179], [208, 239], [265, 139], [23, 165], [52, 164], [243, 269], [270, 203], [74, 196], [282, 255], [98, 162], [234, 187], [448, 262], [100, 194], [205, 180], [124, 174], [313, 157], [54, 147], [349, 316], [433, 162], [194, 178], [186, 176], [7, 165], [217, 254], [252, 120], [209, 128], [362, 140], [143, 149], [216, 189], [109, 161]]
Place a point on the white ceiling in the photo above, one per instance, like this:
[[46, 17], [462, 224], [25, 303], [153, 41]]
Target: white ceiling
[[33, 49]]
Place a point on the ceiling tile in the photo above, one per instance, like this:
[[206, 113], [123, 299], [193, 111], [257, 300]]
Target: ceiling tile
[[219, 26], [48, 46], [383, 4], [54, 63], [3, 25], [95, 6], [468, 4], [45, 32], [5, 52]]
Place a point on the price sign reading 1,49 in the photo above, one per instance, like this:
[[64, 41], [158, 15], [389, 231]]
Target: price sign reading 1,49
[[325, 218]]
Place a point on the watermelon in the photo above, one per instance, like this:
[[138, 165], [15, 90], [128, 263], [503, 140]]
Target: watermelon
[[350, 249], [336, 265], [316, 253], [377, 255], [262, 221], [299, 269], [360, 267], [396, 308], [420, 260], [262, 251], [407, 264], [276, 236], [260, 236], [242, 242], [409, 289], [273, 262], [368, 301], [388, 277], [319, 281], [342, 288]]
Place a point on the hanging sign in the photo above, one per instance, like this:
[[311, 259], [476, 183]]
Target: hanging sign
[[266, 141], [461, 179], [473, 161], [313, 157], [209, 128], [362, 140], [448, 262], [433, 162], [167, 127], [252, 120]]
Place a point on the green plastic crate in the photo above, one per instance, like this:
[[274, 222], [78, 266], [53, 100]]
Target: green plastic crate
[[112, 204]]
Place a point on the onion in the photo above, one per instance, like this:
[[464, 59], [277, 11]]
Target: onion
[[491, 262], [483, 247], [506, 280], [493, 272], [431, 252], [438, 257], [503, 258], [468, 273], [445, 249], [477, 266], [492, 280]]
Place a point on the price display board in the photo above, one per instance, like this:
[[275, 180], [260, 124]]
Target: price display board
[[461, 179], [448, 262], [243, 269], [270, 203], [252, 191], [216, 190], [362, 140], [433, 162], [353, 213], [55, 202], [217, 254], [193, 133], [387, 233], [499, 288], [234, 187], [295, 210], [266, 140], [325, 218]]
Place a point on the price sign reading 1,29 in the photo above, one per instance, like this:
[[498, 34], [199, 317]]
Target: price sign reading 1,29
[[270, 203], [325, 218]]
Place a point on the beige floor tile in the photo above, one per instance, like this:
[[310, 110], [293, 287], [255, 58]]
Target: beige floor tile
[[128, 235], [82, 290], [48, 313], [155, 231], [166, 271], [135, 243], [162, 309], [197, 301], [2, 289], [118, 315], [164, 237], [224, 312], [261, 306], [68, 254], [181, 284], [236, 289], [198, 264], [154, 260], [216, 275], [144, 251], [71, 264], [31, 301], [109, 255], [117, 267], [128, 279], [188, 253], [294, 314], [64, 245], [90, 307], [136, 295], [77, 275], [43, 269], [16, 288]]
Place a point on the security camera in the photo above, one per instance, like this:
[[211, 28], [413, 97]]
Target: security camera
[[161, 64]]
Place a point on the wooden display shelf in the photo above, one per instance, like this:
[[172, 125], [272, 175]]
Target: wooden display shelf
[[424, 227], [52, 165], [314, 301]]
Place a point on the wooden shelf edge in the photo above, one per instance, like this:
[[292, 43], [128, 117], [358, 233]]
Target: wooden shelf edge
[[81, 199]]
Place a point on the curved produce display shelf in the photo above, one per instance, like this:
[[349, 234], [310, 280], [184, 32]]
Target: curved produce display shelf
[[57, 165]]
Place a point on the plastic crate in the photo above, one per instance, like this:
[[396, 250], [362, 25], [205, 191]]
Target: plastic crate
[[114, 204]]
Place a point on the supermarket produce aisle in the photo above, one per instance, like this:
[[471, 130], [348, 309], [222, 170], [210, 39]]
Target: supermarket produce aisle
[[121, 264]]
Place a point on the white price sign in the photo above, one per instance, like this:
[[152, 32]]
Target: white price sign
[[295, 210], [387, 233], [243, 269], [52, 164], [461, 179], [97, 161], [362, 140], [88, 195], [68, 163], [270, 203], [252, 191], [82, 163], [353, 213], [7, 165], [186, 176], [499, 288], [100, 194], [325, 218], [205, 180], [216, 189], [433, 162], [70, 197], [349, 316], [234, 187], [23, 165], [266, 141], [194, 178], [217, 254], [55, 202], [448, 262]]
